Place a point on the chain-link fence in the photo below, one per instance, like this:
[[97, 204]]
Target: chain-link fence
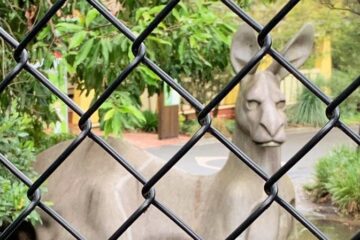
[[149, 185]]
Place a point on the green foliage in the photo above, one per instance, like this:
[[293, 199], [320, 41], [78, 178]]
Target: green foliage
[[338, 175], [50, 140], [13, 15], [230, 126], [311, 111], [191, 44], [18, 147], [13, 201], [345, 47], [119, 113], [349, 108], [308, 110], [26, 96], [151, 122], [187, 126], [200, 58], [351, 6]]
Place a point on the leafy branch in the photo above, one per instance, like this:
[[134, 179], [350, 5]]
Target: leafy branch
[[352, 6]]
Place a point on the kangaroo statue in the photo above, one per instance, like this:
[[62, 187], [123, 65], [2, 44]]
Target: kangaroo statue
[[96, 194]]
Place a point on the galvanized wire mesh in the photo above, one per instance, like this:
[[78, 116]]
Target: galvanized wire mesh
[[149, 185]]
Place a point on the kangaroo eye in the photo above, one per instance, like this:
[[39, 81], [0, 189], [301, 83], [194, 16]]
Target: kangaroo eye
[[252, 104], [281, 104]]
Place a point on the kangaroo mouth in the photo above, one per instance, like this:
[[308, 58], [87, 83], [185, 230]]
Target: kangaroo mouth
[[271, 143]]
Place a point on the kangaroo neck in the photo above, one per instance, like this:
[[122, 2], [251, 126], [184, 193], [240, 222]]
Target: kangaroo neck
[[268, 158]]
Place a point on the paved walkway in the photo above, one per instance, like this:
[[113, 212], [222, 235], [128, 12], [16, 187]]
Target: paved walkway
[[151, 140]]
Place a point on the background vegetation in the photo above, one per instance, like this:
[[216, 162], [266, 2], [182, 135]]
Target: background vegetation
[[338, 180], [19, 145], [309, 110]]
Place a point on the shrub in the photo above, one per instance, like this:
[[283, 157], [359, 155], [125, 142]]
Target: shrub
[[119, 112], [225, 126], [188, 126], [230, 126], [151, 121], [19, 145], [338, 177], [49, 140], [350, 107], [309, 110]]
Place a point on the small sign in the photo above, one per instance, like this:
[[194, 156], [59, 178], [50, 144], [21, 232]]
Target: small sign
[[171, 97]]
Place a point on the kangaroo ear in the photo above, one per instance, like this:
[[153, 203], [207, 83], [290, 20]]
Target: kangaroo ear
[[243, 47], [296, 51]]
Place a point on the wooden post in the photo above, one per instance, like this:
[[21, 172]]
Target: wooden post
[[168, 126]]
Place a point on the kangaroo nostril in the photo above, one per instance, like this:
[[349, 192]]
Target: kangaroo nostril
[[272, 128]]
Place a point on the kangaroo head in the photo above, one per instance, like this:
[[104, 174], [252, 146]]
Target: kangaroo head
[[260, 105]]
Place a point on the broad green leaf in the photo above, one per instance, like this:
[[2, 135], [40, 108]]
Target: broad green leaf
[[23, 134], [159, 40], [107, 128], [109, 46], [90, 16], [156, 10], [44, 33], [124, 45], [176, 14], [148, 72], [106, 105], [184, 7], [222, 37], [105, 51], [68, 27], [116, 124], [202, 36], [109, 114], [133, 111], [95, 55], [84, 52], [139, 12], [193, 43], [77, 39], [204, 60], [149, 76], [182, 51], [70, 68]]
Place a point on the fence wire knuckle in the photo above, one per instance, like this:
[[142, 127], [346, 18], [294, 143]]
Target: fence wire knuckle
[[138, 48]]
